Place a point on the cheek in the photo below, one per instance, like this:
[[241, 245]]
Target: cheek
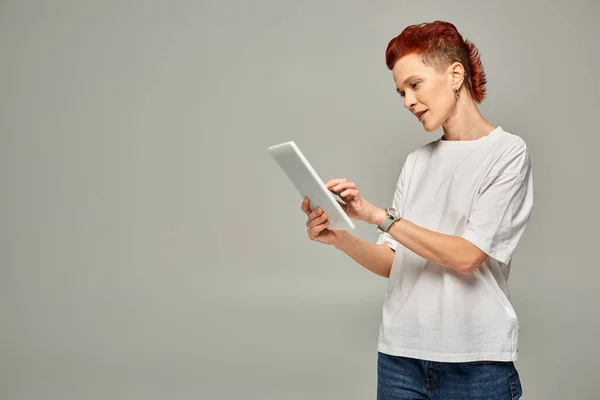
[[430, 97], [442, 105], [439, 110]]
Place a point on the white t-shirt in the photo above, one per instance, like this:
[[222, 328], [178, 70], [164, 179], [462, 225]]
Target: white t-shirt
[[481, 190]]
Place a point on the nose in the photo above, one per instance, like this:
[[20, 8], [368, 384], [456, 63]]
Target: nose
[[409, 101]]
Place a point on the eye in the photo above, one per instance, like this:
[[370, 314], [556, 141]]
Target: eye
[[414, 86]]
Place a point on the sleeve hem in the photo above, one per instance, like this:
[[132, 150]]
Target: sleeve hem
[[385, 238], [486, 247]]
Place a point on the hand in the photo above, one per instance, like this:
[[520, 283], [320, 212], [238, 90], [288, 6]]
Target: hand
[[317, 223], [356, 207]]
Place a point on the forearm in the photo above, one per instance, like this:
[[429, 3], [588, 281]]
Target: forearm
[[376, 258], [449, 251]]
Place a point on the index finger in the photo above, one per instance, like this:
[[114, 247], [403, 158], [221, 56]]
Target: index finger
[[333, 182]]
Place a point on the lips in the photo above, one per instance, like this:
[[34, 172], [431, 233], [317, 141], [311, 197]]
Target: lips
[[420, 114]]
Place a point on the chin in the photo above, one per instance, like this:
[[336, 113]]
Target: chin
[[430, 127]]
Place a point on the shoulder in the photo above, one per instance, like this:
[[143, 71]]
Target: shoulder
[[510, 153], [421, 152], [511, 142]]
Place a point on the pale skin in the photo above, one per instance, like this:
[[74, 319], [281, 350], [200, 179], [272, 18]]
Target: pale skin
[[424, 89]]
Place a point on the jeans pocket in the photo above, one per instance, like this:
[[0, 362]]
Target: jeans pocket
[[514, 380]]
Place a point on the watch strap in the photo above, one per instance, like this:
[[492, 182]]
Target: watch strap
[[387, 222]]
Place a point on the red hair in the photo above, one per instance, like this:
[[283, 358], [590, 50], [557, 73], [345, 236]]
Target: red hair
[[440, 44]]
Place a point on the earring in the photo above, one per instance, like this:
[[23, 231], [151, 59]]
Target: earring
[[456, 93]]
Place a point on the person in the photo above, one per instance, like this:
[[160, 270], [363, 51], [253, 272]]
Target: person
[[458, 212]]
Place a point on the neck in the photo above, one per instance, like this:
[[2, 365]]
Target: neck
[[466, 122]]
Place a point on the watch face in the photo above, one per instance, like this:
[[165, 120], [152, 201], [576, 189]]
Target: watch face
[[393, 212]]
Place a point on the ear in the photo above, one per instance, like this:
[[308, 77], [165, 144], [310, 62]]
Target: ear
[[457, 74]]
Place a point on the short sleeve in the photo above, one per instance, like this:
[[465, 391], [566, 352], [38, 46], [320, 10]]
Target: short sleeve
[[397, 203], [502, 209]]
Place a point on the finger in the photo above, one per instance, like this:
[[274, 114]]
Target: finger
[[317, 212], [311, 217], [333, 182], [337, 189], [314, 232], [349, 193], [306, 206], [317, 220], [309, 232], [321, 219], [320, 228], [340, 187]]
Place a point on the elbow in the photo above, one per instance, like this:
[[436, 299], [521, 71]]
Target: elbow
[[470, 257], [469, 269], [471, 265], [388, 264]]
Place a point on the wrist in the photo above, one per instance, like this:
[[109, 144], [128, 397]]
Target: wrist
[[378, 216], [341, 237]]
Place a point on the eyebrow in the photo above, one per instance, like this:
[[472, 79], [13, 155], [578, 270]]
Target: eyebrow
[[406, 81]]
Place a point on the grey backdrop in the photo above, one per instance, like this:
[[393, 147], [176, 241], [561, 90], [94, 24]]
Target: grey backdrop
[[152, 249]]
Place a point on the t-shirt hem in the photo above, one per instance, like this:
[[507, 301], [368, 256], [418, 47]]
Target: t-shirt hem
[[447, 357]]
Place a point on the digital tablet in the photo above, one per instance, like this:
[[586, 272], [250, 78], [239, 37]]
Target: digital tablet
[[309, 184]]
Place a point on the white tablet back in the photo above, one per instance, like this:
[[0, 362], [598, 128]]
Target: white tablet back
[[309, 184]]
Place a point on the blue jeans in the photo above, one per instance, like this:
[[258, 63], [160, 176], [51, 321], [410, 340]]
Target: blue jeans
[[403, 378]]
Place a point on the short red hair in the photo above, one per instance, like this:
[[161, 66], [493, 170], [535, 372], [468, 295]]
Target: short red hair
[[440, 44]]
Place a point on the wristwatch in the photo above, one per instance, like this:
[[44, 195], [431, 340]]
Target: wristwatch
[[392, 216]]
